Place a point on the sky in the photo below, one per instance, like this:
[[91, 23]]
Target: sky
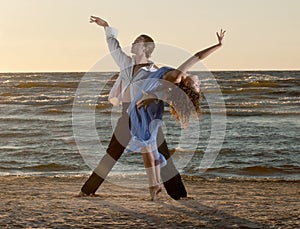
[[56, 36]]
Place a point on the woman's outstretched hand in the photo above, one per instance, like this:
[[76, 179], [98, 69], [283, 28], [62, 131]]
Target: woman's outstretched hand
[[221, 36], [145, 103], [146, 100], [98, 21]]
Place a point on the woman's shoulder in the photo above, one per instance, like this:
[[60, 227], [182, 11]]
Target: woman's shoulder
[[164, 70], [159, 73], [173, 75]]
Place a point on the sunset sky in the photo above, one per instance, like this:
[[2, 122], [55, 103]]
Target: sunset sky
[[52, 35]]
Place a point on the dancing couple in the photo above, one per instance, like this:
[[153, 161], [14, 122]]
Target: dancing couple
[[142, 88]]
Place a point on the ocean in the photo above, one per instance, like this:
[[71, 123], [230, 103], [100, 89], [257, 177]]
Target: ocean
[[261, 137]]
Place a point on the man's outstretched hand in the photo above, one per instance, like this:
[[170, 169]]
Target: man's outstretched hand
[[98, 21]]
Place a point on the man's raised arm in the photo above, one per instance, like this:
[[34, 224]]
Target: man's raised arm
[[121, 58]]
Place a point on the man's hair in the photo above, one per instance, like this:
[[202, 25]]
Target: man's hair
[[149, 44]]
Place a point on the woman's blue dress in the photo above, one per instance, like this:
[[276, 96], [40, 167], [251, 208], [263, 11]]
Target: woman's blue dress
[[144, 123]]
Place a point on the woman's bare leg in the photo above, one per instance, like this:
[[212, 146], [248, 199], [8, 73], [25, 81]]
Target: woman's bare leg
[[158, 178], [151, 171]]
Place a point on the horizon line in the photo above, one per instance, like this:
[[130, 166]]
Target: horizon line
[[213, 70]]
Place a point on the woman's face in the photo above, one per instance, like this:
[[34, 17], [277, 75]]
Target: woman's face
[[193, 82]]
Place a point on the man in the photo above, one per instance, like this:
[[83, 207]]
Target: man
[[132, 69]]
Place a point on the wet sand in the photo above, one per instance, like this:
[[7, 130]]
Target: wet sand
[[49, 202]]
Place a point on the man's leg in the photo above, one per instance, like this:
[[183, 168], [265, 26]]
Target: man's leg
[[118, 143], [169, 174], [104, 167]]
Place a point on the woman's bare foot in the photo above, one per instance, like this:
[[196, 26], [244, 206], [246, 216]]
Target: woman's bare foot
[[154, 190], [159, 189]]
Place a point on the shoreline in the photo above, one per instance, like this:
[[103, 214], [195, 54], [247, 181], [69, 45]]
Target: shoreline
[[133, 176], [49, 202]]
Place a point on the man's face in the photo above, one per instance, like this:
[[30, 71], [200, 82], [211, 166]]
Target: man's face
[[138, 47]]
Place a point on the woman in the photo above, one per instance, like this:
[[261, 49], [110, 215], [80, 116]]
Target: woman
[[146, 110]]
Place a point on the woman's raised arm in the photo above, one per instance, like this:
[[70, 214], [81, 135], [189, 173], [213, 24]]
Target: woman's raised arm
[[175, 76], [202, 54]]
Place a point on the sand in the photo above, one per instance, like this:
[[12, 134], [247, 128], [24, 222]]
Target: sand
[[49, 202]]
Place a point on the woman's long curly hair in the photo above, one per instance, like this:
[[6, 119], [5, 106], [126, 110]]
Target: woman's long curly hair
[[182, 107]]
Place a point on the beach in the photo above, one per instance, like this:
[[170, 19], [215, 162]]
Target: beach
[[50, 202]]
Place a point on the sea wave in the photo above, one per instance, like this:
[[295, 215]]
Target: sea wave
[[36, 100], [251, 112], [261, 84], [47, 85], [240, 179], [54, 111], [258, 171], [51, 167]]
